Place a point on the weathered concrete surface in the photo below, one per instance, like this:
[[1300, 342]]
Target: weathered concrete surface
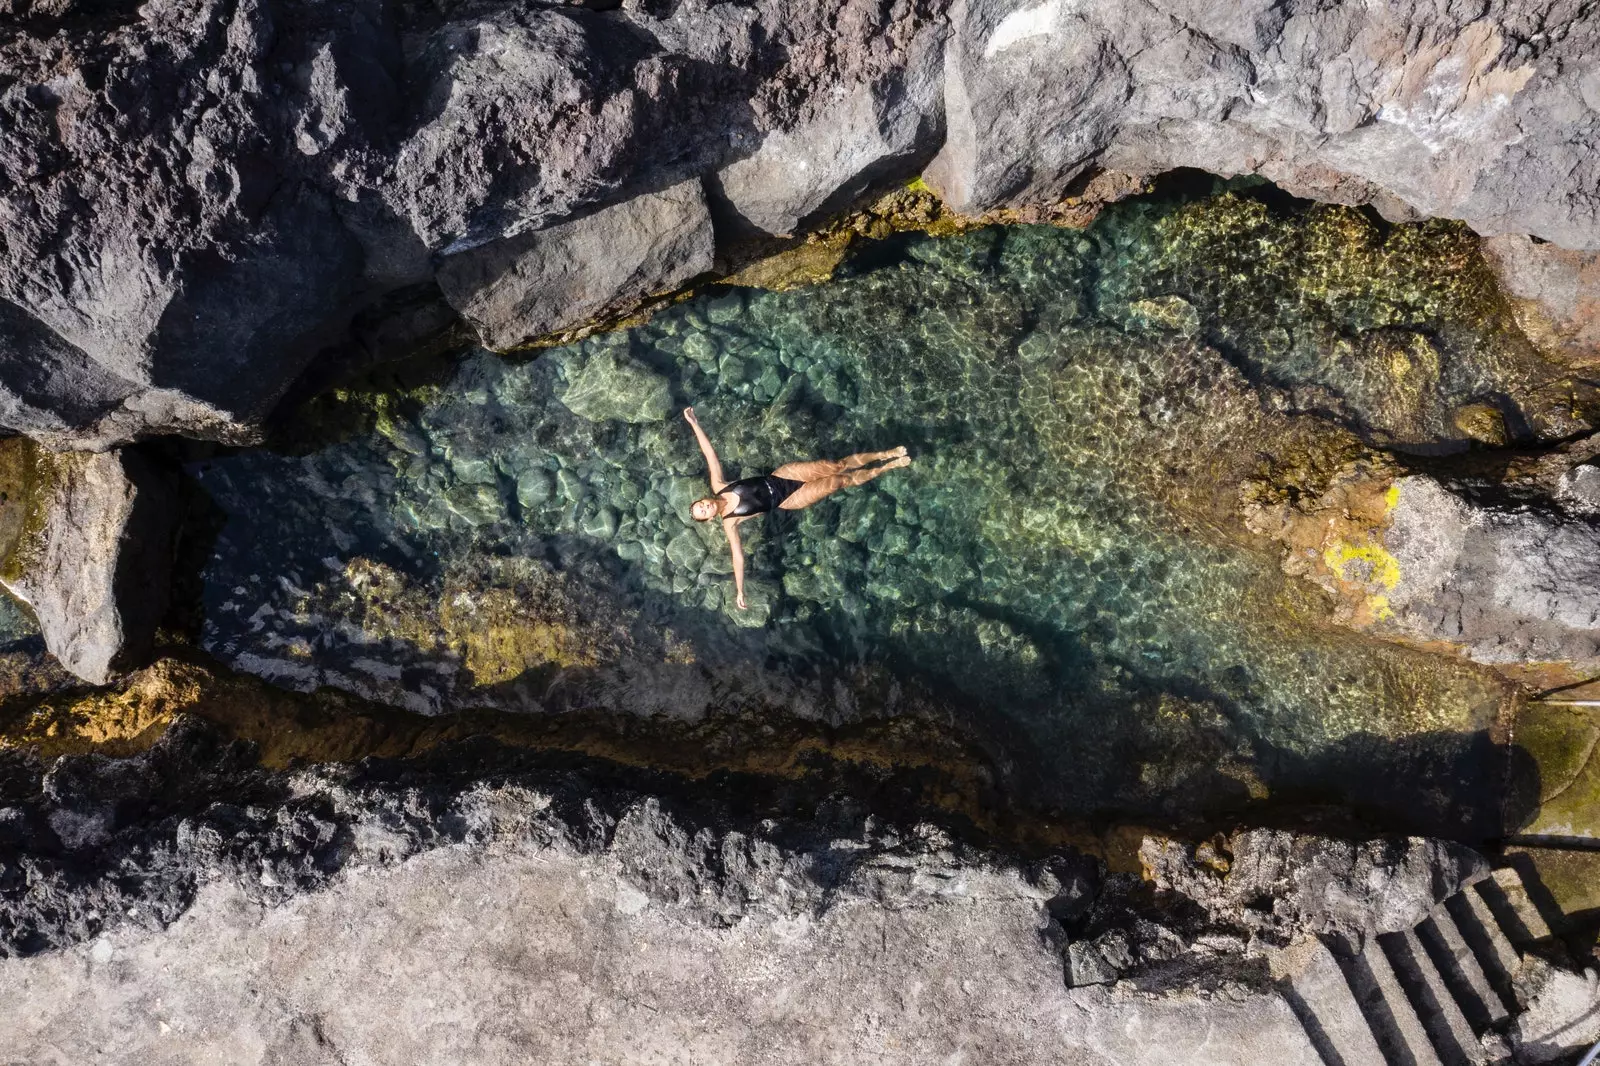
[[514, 957], [91, 553], [1562, 1018], [517, 289]]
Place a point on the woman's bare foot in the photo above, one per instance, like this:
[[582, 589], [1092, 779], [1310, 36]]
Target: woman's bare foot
[[893, 464], [901, 451]]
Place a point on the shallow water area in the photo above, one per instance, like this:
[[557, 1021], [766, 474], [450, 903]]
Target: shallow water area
[[1061, 574]]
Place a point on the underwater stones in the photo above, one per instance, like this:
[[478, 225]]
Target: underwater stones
[[1172, 314], [611, 385], [90, 541], [535, 488], [477, 505], [685, 552], [515, 290], [761, 599], [1483, 423], [602, 524]]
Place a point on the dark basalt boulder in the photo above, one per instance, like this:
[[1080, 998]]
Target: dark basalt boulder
[[516, 289], [199, 197]]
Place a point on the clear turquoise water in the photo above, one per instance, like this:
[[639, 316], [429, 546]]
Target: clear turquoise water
[[1062, 573]]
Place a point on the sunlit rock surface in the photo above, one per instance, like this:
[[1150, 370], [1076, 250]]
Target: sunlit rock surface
[[1062, 572], [204, 199]]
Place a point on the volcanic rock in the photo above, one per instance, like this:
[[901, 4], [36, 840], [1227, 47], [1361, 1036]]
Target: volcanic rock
[[517, 289], [90, 550], [1420, 108]]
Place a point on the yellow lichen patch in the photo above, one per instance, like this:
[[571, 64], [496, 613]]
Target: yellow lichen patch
[[1368, 562], [1335, 538]]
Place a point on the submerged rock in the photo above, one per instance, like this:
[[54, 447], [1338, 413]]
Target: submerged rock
[[89, 549], [613, 386]]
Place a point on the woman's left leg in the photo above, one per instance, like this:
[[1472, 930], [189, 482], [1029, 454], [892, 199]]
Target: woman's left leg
[[822, 487]]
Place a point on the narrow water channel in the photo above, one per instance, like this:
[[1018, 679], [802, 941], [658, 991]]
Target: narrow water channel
[[1062, 572]]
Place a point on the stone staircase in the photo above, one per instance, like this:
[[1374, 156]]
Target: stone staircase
[[1437, 995]]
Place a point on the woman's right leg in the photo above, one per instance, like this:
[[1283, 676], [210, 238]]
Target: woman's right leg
[[817, 469]]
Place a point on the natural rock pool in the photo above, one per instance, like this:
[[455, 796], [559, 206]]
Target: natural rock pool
[[1062, 574]]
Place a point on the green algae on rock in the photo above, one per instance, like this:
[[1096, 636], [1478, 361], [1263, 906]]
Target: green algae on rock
[[1062, 573]]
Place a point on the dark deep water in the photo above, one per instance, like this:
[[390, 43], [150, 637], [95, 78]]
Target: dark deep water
[[1062, 572]]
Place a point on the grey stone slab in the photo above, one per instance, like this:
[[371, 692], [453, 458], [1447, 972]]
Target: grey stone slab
[[1435, 1005], [1459, 964], [1320, 994], [1385, 1002]]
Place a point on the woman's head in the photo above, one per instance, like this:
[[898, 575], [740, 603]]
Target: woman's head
[[707, 509]]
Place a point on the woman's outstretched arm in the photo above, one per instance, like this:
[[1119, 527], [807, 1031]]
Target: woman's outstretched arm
[[713, 464], [730, 526]]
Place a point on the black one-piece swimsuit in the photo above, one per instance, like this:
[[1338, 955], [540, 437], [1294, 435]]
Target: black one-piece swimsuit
[[758, 495]]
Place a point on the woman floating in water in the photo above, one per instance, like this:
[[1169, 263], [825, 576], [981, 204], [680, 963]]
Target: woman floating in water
[[792, 487]]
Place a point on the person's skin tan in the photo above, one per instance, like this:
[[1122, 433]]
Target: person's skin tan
[[818, 477]]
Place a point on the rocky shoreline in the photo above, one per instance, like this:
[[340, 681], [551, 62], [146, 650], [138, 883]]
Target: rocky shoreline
[[459, 822]]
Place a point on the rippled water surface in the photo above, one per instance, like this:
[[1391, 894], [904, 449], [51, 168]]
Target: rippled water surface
[[1062, 572]]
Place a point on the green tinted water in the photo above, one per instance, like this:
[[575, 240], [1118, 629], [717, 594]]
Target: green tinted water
[[1062, 572]]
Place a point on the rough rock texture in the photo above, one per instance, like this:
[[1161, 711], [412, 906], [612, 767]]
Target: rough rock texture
[[1508, 583], [517, 289], [1353, 890], [886, 124], [199, 197], [1556, 292], [205, 910], [1563, 1012], [1421, 107], [89, 548]]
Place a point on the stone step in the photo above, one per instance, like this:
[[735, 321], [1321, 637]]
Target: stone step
[[1489, 944], [1459, 966], [1452, 1036], [1512, 907], [1315, 987], [1394, 1022]]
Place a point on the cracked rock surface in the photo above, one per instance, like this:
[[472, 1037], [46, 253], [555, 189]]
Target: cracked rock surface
[[200, 199], [199, 906]]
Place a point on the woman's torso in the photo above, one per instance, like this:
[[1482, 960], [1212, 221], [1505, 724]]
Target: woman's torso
[[757, 495]]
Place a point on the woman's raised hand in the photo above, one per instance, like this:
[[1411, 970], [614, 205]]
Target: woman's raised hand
[[688, 416]]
